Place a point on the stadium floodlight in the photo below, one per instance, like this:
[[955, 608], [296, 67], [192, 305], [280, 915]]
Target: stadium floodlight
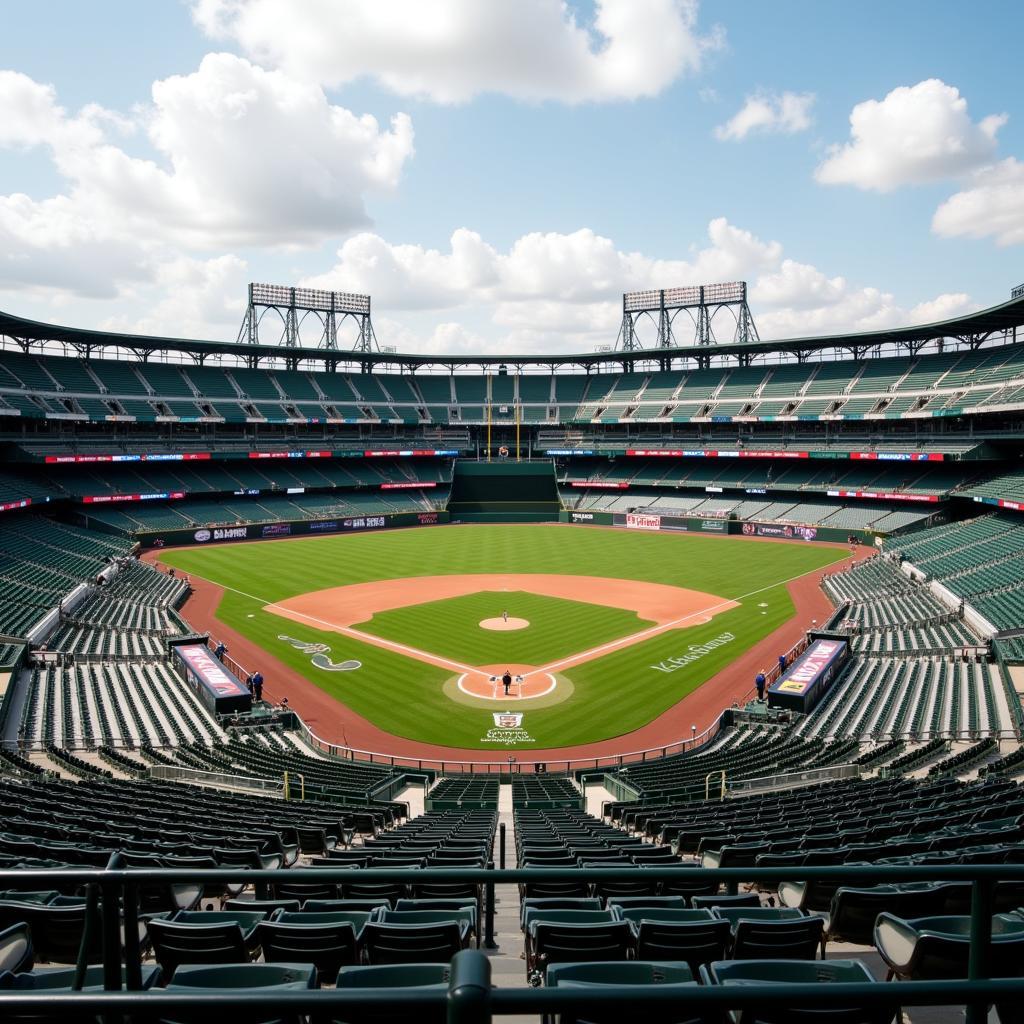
[[293, 305], [701, 302]]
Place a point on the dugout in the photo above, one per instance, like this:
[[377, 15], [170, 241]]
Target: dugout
[[810, 677], [220, 691]]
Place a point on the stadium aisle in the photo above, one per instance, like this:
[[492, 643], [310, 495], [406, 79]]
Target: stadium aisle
[[507, 967]]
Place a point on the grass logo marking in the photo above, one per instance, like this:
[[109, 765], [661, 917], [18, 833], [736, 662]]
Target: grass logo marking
[[508, 729], [320, 657]]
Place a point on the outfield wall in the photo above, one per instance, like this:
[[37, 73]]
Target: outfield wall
[[679, 524], [295, 528]]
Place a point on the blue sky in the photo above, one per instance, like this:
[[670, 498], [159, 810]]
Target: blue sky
[[155, 157]]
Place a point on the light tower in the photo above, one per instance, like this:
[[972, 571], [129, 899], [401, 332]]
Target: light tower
[[701, 303], [293, 305]]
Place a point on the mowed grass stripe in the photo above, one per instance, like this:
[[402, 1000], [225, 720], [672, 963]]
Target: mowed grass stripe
[[614, 694], [726, 567], [557, 627]]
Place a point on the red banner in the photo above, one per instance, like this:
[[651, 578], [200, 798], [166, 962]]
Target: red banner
[[408, 485], [884, 496]]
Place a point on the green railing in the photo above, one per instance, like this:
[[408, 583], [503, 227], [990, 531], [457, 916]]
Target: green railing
[[112, 907]]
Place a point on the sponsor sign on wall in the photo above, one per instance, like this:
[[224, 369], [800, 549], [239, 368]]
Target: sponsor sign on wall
[[102, 499], [784, 530], [635, 521], [900, 456], [277, 530], [155, 457], [884, 496], [714, 525], [408, 485], [582, 517], [221, 533], [604, 485]]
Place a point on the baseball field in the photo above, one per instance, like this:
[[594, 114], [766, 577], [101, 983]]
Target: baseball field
[[601, 630]]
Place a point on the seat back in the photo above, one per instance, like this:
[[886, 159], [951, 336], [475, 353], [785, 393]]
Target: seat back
[[696, 942], [16, 953], [795, 972], [777, 940], [568, 943], [175, 943], [326, 945], [411, 944]]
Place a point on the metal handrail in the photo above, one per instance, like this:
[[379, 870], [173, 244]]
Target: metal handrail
[[470, 998], [501, 767]]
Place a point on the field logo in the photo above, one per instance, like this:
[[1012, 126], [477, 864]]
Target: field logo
[[508, 729], [202, 535], [694, 653], [320, 654]]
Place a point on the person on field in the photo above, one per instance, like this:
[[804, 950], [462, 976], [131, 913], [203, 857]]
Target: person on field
[[504, 615], [506, 681]]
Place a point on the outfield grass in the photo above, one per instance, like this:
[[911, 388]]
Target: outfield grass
[[613, 694], [557, 627]]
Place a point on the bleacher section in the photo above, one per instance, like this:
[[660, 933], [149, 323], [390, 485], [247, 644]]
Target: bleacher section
[[879, 388], [978, 562]]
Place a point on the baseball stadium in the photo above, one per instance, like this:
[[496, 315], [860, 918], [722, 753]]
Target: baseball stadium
[[284, 622]]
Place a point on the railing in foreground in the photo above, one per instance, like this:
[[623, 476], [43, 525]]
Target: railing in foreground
[[511, 763], [791, 780], [218, 780], [470, 999]]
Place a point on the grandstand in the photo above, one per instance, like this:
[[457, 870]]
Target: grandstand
[[386, 866]]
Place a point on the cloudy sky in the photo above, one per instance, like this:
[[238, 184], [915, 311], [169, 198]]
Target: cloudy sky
[[495, 174]]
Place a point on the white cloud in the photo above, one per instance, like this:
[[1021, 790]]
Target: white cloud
[[551, 292], [769, 114], [916, 134], [991, 205], [245, 157], [188, 298], [451, 50], [581, 267]]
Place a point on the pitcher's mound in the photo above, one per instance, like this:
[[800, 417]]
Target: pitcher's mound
[[500, 623]]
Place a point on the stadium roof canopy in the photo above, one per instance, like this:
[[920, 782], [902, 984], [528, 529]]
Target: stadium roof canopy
[[1005, 320]]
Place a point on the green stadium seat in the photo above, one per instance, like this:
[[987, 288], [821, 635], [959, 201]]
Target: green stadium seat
[[797, 972]]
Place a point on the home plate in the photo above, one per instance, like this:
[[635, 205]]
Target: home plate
[[486, 682]]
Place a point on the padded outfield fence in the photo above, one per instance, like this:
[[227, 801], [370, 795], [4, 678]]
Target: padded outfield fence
[[112, 912]]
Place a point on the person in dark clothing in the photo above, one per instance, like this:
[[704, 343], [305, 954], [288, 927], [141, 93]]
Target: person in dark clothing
[[257, 685], [506, 681], [759, 683], [219, 651], [248, 683]]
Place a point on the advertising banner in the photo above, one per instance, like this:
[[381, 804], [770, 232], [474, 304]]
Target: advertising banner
[[219, 691], [102, 499], [642, 522], [604, 485], [784, 530], [884, 496], [808, 679]]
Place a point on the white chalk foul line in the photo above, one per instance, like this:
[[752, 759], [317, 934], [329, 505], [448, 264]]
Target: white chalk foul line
[[572, 659], [369, 638], [652, 631]]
